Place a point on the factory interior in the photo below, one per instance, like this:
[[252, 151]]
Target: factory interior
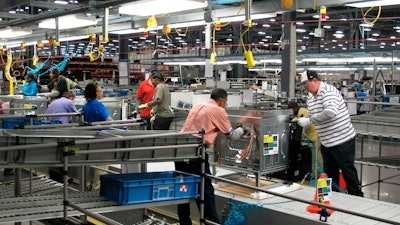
[[256, 50]]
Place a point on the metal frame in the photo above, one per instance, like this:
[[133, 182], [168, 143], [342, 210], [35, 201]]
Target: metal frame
[[65, 143]]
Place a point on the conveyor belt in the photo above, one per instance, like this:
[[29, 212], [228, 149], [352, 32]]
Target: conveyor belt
[[18, 209], [390, 162], [40, 185], [23, 148], [385, 122]]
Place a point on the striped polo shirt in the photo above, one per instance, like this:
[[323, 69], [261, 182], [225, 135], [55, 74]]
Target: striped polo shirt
[[337, 129]]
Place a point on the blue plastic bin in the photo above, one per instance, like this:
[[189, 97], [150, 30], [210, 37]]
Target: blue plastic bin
[[18, 122], [134, 188], [21, 122]]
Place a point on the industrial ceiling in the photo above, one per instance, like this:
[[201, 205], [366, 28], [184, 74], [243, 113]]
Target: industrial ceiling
[[344, 30]]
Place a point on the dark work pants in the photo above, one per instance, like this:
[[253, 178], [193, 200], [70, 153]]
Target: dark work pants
[[342, 157], [210, 209], [162, 123]]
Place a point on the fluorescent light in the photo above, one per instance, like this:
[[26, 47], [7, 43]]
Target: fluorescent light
[[128, 31], [14, 32], [13, 44], [68, 22], [74, 38], [277, 69], [363, 4], [271, 60], [242, 18], [194, 63], [366, 25], [60, 2], [157, 7], [352, 60]]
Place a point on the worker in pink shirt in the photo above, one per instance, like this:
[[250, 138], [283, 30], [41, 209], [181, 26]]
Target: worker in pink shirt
[[213, 118]]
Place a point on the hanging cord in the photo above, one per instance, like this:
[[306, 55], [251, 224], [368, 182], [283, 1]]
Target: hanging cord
[[376, 18], [180, 34], [319, 168], [241, 38], [215, 28]]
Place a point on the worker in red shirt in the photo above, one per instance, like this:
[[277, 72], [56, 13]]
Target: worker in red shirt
[[144, 95]]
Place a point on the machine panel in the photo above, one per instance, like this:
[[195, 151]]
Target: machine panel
[[264, 146]]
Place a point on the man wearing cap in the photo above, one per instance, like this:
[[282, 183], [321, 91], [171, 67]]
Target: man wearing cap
[[329, 114], [144, 95], [161, 102]]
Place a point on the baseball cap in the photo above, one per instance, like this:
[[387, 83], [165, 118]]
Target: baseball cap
[[308, 75], [152, 68], [157, 76]]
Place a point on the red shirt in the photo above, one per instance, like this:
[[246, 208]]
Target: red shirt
[[210, 117], [145, 93]]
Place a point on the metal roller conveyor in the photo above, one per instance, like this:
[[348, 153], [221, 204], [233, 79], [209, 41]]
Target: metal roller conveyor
[[385, 122], [42, 148], [38, 185], [19, 209]]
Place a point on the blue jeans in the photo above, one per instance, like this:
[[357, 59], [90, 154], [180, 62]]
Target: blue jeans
[[342, 157], [147, 122], [210, 209]]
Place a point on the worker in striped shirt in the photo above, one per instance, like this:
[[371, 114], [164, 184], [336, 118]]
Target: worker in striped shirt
[[329, 114]]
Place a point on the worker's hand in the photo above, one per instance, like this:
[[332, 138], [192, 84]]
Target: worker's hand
[[303, 122], [142, 106], [152, 112], [152, 119]]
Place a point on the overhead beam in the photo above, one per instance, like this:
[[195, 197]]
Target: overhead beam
[[48, 5], [15, 15]]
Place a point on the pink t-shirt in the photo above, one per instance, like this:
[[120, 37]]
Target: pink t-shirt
[[210, 117]]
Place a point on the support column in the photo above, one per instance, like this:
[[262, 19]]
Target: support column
[[123, 66], [289, 47]]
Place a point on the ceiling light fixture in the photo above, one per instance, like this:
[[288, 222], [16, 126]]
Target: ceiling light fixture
[[69, 22], [243, 18], [61, 2], [74, 38], [157, 7], [363, 4], [14, 32]]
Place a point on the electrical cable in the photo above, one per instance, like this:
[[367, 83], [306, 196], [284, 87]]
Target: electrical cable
[[376, 18], [236, 216], [319, 168], [242, 37], [180, 34]]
